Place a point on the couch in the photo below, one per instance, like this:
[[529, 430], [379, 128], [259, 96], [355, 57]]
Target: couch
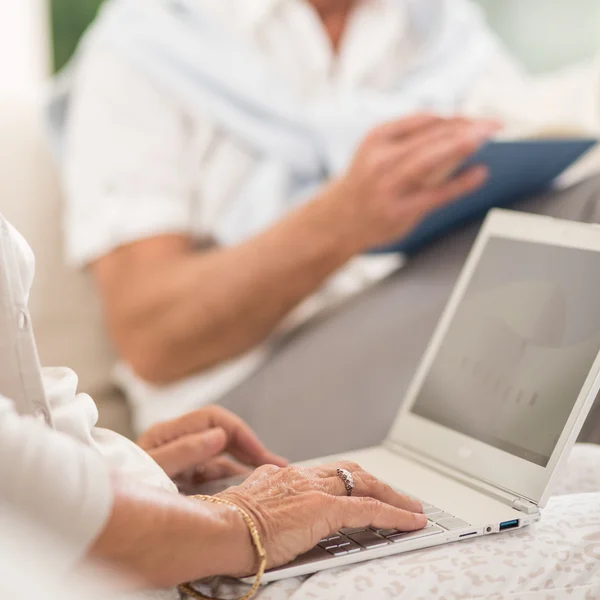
[[65, 311], [69, 328]]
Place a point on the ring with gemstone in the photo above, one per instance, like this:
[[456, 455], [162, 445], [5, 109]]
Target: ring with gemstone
[[348, 480]]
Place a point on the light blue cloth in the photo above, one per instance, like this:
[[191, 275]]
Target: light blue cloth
[[298, 146]]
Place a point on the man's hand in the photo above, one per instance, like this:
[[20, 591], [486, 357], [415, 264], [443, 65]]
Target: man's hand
[[401, 171], [202, 445]]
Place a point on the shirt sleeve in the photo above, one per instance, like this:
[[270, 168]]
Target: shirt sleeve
[[124, 167], [53, 479], [76, 415]]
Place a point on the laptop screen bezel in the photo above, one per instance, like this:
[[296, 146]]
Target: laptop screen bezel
[[462, 452]]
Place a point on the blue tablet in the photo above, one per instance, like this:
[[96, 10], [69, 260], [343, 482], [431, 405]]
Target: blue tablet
[[518, 169]]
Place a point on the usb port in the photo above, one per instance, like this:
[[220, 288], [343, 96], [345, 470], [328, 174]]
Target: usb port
[[467, 534], [509, 524]]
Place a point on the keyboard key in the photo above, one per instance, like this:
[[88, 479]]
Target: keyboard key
[[368, 539], [352, 530], [412, 535], [337, 551], [329, 546], [453, 524], [352, 548], [331, 540], [313, 555], [431, 510], [348, 547], [386, 532], [440, 516]]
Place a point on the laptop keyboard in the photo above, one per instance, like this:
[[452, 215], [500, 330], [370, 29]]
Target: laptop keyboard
[[354, 540]]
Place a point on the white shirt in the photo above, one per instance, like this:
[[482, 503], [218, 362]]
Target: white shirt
[[32, 559], [54, 465], [139, 164]]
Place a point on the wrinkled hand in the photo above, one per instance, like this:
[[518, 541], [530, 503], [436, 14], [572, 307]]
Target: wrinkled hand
[[403, 170], [295, 507], [202, 445]]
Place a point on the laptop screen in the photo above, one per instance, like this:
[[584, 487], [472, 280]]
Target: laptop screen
[[519, 348]]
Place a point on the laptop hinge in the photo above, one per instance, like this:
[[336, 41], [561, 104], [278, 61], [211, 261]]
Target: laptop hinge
[[505, 496], [525, 506]]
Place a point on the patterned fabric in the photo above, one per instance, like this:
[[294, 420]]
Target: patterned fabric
[[556, 558], [582, 473]]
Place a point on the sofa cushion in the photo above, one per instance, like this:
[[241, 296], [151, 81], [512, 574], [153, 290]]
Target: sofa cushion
[[64, 308]]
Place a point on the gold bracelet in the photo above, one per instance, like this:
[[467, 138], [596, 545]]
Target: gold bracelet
[[187, 588]]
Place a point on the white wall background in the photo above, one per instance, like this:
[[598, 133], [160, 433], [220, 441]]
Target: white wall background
[[24, 45], [547, 34]]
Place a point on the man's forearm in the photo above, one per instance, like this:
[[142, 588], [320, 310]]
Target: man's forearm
[[184, 312], [201, 308], [163, 539]]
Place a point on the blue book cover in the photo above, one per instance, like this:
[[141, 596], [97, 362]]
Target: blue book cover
[[517, 169]]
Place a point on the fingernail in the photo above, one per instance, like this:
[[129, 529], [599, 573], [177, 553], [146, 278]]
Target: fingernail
[[213, 438], [418, 505], [274, 459], [421, 519]]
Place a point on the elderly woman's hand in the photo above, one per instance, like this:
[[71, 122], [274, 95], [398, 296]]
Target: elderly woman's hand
[[202, 445], [295, 507]]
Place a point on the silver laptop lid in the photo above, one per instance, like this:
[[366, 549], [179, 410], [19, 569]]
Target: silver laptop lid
[[512, 368]]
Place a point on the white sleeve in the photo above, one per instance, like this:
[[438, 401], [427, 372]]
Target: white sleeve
[[124, 171], [76, 415], [568, 98], [53, 479]]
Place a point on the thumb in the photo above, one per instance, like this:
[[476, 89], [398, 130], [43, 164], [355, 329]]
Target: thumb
[[190, 450]]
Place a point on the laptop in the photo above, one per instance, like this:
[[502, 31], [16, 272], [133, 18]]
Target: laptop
[[500, 395]]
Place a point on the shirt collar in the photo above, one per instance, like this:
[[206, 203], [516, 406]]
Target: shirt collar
[[255, 12], [251, 14]]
